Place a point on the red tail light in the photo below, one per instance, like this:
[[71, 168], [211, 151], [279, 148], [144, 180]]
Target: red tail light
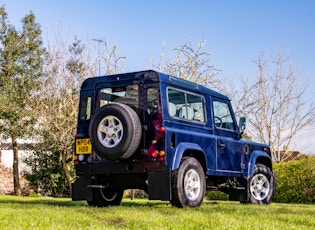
[[162, 129], [75, 160], [161, 159], [156, 150]]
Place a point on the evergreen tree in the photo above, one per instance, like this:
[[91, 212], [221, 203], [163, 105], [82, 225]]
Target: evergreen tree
[[21, 59]]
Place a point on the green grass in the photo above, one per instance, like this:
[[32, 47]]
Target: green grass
[[52, 213]]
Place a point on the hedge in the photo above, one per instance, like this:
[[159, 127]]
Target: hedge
[[295, 181]]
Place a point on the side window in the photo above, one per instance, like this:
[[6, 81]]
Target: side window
[[222, 116], [152, 100], [176, 100], [197, 104], [85, 108], [185, 105]]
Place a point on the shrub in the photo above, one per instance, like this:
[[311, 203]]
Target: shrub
[[295, 181], [216, 195], [135, 193], [45, 173]]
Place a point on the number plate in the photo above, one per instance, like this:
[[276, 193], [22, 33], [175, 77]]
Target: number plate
[[83, 146]]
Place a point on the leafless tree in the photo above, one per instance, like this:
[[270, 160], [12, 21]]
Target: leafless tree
[[191, 63], [113, 62], [276, 105], [66, 67]]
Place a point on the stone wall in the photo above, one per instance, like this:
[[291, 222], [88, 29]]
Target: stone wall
[[6, 182]]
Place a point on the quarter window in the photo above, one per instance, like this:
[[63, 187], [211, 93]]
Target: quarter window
[[152, 101], [85, 108]]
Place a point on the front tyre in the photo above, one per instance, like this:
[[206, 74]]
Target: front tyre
[[189, 184], [261, 185]]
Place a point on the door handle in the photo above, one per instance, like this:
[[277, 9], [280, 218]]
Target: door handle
[[222, 145]]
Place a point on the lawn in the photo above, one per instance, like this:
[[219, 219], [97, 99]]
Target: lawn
[[52, 213]]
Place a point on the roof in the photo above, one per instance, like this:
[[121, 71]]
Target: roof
[[148, 76]]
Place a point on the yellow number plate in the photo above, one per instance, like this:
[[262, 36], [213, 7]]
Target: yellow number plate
[[83, 146]]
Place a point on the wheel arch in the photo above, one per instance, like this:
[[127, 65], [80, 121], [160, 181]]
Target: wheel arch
[[259, 157], [189, 149]]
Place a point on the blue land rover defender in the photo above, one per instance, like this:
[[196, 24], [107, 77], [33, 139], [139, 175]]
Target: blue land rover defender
[[167, 136]]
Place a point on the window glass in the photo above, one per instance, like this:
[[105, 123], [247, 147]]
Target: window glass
[[185, 105], [128, 95], [85, 109], [197, 103], [222, 115], [152, 100]]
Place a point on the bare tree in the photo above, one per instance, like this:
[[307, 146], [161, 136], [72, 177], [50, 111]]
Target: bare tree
[[66, 67], [190, 63], [113, 62], [107, 56], [276, 105]]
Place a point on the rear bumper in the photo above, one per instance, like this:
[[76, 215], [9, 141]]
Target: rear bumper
[[153, 177]]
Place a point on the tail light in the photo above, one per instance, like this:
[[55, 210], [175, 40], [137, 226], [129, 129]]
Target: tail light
[[156, 150], [75, 159], [162, 153]]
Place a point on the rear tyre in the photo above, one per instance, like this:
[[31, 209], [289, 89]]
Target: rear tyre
[[261, 185], [103, 197], [189, 184]]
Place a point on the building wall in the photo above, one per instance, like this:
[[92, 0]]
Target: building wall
[[6, 182], [7, 158]]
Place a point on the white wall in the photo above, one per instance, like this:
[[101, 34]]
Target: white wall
[[7, 158]]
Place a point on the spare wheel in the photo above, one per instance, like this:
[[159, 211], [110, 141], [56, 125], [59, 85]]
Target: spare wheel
[[115, 131]]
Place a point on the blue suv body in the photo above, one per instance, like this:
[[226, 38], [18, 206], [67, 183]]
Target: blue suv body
[[168, 136]]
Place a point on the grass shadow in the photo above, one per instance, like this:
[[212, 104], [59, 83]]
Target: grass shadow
[[67, 202], [63, 202]]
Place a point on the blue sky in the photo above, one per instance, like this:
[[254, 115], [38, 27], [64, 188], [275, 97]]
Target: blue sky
[[235, 31]]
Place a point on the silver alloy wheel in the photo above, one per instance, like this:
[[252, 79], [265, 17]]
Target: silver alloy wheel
[[192, 184], [108, 197], [259, 187], [110, 131]]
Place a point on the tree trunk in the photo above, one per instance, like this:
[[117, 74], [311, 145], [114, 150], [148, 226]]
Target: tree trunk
[[16, 178], [66, 170]]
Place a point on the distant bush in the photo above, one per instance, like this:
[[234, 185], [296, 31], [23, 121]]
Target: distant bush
[[216, 195], [135, 193], [295, 181]]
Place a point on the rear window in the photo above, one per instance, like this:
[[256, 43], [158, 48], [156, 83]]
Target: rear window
[[128, 95]]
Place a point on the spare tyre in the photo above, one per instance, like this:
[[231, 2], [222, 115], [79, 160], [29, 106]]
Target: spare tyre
[[115, 131]]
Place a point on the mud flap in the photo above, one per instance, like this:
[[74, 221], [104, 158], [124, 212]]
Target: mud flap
[[238, 195], [159, 184], [80, 190]]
